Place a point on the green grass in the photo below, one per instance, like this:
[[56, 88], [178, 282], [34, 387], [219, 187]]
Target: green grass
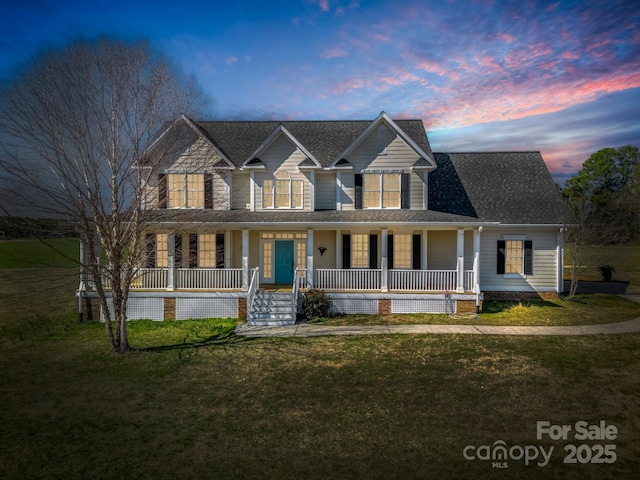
[[588, 309], [57, 252], [358, 407], [192, 400], [625, 259]]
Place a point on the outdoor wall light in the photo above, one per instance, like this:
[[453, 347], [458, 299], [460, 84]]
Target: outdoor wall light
[[322, 250]]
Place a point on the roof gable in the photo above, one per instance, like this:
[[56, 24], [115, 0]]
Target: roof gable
[[279, 131], [383, 118]]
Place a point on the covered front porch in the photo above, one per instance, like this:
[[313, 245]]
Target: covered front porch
[[355, 260]]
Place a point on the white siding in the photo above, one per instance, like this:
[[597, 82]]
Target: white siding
[[544, 261], [240, 191], [348, 191], [325, 191], [398, 154], [283, 155], [417, 191]]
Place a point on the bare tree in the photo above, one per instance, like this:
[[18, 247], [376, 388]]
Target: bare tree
[[75, 131]]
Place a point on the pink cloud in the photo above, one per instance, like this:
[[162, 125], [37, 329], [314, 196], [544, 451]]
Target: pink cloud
[[570, 55], [230, 60], [324, 5], [335, 52], [432, 67]]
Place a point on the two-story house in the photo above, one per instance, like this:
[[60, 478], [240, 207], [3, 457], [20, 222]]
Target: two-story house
[[248, 214]]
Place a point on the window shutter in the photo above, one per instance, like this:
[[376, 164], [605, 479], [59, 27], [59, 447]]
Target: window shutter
[[373, 251], [208, 190], [390, 251], [162, 190], [220, 250], [528, 257], [416, 253], [358, 191], [502, 245], [405, 191], [151, 250], [178, 250], [346, 251], [193, 250]]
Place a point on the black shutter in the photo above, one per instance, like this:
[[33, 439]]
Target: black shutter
[[193, 250], [405, 191], [162, 190], [528, 257], [178, 250], [390, 251], [417, 253], [373, 251], [208, 190], [358, 191], [220, 250], [151, 250], [502, 245], [346, 251]]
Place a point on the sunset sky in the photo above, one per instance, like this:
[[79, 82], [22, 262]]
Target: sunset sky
[[561, 77]]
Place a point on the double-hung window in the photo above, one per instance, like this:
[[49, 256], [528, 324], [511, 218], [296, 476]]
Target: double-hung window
[[382, 190], [282, 192], [186, 190], [515, 256]]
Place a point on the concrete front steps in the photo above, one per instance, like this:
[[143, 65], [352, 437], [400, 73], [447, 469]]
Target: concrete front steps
[[272, 309]]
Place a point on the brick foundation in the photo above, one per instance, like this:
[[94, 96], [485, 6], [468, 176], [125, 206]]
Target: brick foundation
[[242, 308], [467, 306], [169, 308], [384, 306], [518, 296]]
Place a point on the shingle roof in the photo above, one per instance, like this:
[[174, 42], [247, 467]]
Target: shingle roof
[[325, 139], [508, 187]]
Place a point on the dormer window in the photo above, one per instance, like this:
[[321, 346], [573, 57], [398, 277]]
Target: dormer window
[[185, 190], [282, 192], [382, 190]]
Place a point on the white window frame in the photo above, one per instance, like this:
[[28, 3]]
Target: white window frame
[[281, 176], [514, 238], [381, 191], [185, 189]]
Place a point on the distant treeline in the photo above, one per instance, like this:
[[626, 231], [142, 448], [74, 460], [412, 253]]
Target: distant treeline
[[25, 227]]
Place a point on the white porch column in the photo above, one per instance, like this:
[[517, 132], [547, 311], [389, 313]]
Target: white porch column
[[460, 266], [476, 260], [245, 259], [338, 249], [309, 259], [83, 266], [338, 192], [171, 260], [383, 261], [425, 250], [560, 256], [252, 191]]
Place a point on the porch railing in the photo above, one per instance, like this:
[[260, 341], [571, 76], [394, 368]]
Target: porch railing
[[209, 278], [253, 288], [349, 279], [422, 280], [301, 275], [468, 281]]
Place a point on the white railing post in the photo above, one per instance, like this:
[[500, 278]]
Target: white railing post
[[309, 259], [476, 259], [171, 261], [294, 294], [245, 259], [460, 264], [383, 261]]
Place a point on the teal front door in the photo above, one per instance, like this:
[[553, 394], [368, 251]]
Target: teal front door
[[284, 261]]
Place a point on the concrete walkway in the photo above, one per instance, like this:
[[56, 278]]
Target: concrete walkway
[[306, 330]]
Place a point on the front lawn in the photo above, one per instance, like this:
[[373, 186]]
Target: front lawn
[[587, 309]]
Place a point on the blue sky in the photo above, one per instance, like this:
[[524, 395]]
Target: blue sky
[[561, 77]]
